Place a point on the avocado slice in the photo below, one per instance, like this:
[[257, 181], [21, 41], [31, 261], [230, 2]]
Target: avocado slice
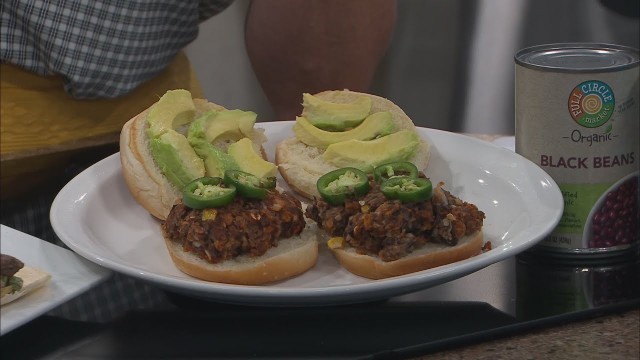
[[170, 150], [198, 128], [216, 161], [230, 125], [174, 109], [365, 155], [249, 160], [373, 126], [331, 116], [176, 158]]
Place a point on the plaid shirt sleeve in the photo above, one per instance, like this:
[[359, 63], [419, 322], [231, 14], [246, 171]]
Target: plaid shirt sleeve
[[101, 48]]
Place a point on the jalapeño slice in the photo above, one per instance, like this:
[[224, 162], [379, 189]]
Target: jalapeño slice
[[249, 185], [400, 168], [338, 185], [407, 189], [207, 192]]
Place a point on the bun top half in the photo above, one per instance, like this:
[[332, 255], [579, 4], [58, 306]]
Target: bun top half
[[144, 178], [301, 165]]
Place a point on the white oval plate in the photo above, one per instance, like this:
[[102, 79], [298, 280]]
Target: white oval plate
[[95, 215]]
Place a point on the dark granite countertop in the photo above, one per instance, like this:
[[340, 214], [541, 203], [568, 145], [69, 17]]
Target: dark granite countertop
[[612, 336]]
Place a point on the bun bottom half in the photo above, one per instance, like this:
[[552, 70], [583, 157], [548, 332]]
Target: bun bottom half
[[292, 256], [32, 279], [429, 256]]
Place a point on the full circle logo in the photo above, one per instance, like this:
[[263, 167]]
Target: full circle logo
[[591, 103]]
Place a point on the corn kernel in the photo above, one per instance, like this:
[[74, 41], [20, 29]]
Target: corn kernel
[[335, 242], [209, 214]]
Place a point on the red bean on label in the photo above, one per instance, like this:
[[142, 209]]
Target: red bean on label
[[616, 221]]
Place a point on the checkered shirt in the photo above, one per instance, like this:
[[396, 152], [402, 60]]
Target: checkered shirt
[[101, 48]]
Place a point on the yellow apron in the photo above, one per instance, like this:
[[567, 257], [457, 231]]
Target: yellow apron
[[42, 127]]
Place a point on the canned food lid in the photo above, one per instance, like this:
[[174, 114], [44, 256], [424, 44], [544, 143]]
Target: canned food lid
[[579, 57]]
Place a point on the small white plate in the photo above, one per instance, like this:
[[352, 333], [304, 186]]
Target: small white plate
[[71, 275], [96, 216]]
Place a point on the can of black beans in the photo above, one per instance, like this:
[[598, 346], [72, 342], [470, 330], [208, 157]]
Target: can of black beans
[[577, 118]]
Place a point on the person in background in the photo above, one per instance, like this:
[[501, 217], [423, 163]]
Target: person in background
[[311, 46], [74, 72]]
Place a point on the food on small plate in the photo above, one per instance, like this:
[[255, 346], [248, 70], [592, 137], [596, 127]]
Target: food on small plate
[[394, 221], [17, 279], [201, 169], [345, 128], [179, 139]]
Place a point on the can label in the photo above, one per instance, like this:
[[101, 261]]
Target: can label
[[582, 129]]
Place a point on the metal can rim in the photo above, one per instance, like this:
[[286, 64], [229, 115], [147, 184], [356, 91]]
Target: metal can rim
[[632, 52], [596, 253]]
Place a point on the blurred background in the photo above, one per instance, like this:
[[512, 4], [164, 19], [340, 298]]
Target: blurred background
[[450, 65]]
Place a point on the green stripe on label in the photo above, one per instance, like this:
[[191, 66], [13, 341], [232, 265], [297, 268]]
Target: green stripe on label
[[578, 201]]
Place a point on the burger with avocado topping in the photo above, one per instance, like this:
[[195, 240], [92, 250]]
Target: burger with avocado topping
[[357, 157], [201, 170]]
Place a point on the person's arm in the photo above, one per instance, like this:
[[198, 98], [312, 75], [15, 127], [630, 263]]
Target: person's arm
[[298, 46]]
